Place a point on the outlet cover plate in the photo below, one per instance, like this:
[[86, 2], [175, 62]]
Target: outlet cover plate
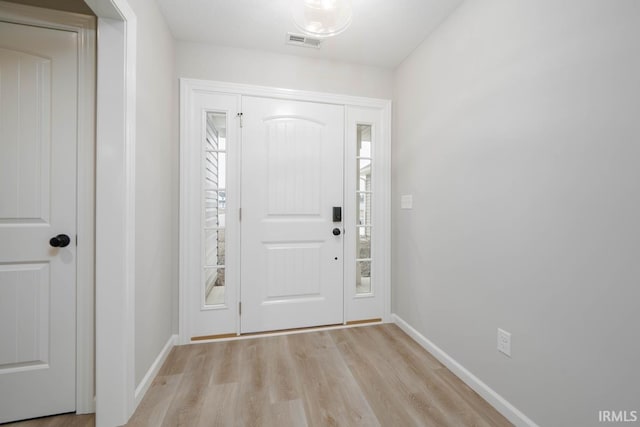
[[504, 342], [406, 201]]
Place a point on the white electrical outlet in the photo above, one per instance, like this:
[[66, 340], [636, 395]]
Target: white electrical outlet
[[504, 342], [406, 201]]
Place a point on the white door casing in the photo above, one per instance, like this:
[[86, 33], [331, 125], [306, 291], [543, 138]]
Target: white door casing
[[354, 111], [292, 177], [38, 105]]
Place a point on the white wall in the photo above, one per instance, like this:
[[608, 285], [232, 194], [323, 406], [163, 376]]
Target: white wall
[[156, 186], [210, 62], [517, 130]]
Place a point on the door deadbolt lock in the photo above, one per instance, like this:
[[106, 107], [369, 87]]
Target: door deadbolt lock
[[337, 213]]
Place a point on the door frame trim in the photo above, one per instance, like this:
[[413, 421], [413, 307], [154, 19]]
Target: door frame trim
[[115, 211], [199, 85], [188, 87], [85, 27]]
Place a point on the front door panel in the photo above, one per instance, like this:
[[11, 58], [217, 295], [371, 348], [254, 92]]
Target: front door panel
[[292, 177]]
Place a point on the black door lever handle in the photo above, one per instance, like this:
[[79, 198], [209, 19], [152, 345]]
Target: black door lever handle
[[60, 241]]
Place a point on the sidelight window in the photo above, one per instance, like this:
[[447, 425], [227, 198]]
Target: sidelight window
[[364, 195], [214, 208]]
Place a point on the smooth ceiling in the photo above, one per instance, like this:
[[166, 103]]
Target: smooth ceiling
[[383, 32]]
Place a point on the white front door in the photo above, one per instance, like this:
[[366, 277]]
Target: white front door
[[38, 134], [292, 178]]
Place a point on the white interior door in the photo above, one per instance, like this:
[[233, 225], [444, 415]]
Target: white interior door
[[292, 177], [38, 114]]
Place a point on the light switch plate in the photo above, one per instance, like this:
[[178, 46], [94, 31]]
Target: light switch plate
[[504, 342], [406, 201]]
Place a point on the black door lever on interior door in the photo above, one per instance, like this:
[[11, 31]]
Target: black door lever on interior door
[[60, 241]]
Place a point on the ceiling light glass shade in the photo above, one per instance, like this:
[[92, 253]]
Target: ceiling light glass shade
[[322, 18]]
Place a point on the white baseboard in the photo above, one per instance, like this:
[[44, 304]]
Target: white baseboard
[[509, 411], [144, 385]]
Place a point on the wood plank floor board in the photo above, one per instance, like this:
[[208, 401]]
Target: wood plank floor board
[[406, 347], [392, 399], [288, 413], [428, 391], [253, 405], [377, 385], [412, 379], [188, 400], [331, 393], [306, 362], [65, 420], [227, 355], [479, 405], [153, 408], [218, 409], [177, 360], [281, 377], [365, 376]]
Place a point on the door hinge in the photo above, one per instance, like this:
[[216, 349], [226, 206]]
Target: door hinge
[[240, 308], [240, 214], [240, 116]]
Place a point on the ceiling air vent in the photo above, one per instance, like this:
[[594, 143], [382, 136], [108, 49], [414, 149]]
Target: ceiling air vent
[[304, 41]]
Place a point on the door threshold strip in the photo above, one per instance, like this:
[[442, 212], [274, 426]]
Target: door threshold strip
[[363, 321], [214, 337], [234, 336]]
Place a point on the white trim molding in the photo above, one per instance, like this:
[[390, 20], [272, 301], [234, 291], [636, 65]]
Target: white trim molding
[[509, 411], [85, 27], [115, 214], [292, 94], [184, 332], [146, 382]]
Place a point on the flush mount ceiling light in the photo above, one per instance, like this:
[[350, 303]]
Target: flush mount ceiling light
[[322, 18]]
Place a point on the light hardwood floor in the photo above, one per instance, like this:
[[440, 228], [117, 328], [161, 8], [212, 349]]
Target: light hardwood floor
[[365, 376], [67, 420]]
